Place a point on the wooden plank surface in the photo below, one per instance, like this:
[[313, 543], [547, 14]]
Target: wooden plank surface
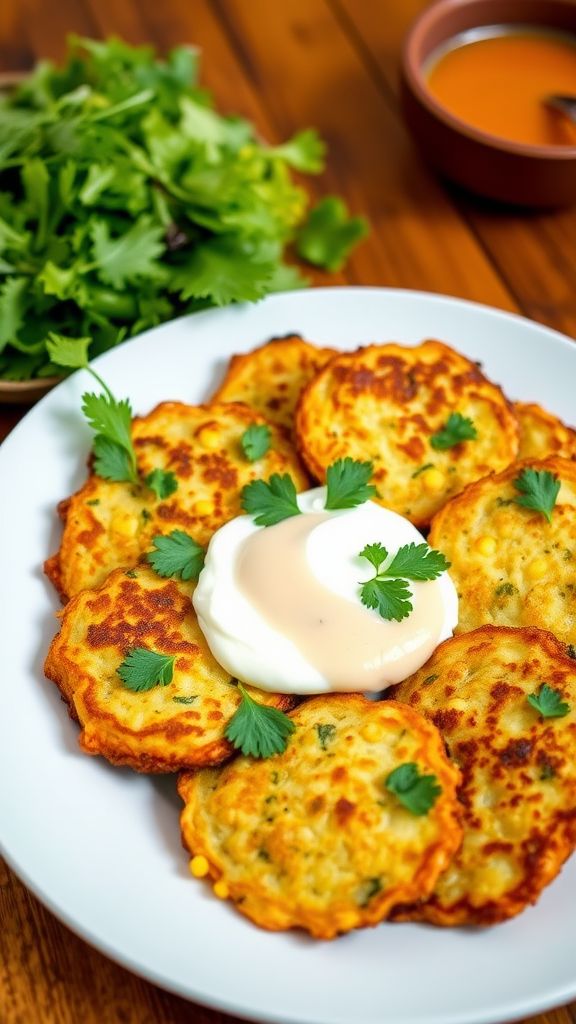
[[332, 64]]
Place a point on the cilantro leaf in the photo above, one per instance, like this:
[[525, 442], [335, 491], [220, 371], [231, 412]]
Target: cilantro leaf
[[375, 553], [109, 417], [176, 554], [417, 562], [129, 256], [255, 441], [270, 501], [328, 236], [258, 730], [129, 199], [69, 352], [388, 591], [162, 482], [112, 419], [223, 270], [457, 428], [13, 306], [305, 152], [391, 598], [416, 792], [142, 669], [347, 483], [548, 702], [111, 460], [539, 490]]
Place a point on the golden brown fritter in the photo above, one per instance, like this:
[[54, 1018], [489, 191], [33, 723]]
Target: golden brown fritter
[[270, 378], [108, 525], [510, 566], [312, 838], [518, 769], [384, 403], [167, 727], [542, 434]]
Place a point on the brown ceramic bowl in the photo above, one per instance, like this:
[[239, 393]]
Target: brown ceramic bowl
[[26, 391], [513, 172]]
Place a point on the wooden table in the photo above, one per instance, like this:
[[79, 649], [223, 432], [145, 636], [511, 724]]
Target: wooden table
[[286, 65]]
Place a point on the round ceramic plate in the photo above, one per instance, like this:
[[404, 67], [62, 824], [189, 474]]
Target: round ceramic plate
[[100, 846]]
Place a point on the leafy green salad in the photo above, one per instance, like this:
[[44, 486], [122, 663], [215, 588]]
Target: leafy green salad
[[126, 199]]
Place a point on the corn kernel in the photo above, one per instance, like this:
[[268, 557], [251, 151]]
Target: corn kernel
[[221, 890], [124, 525], [202, 507], [433, 480], [371, 732], [485, 545], [199, 866], [209, 437], [537, 569]]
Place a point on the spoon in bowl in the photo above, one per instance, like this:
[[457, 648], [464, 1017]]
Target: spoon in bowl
[[564, 105]]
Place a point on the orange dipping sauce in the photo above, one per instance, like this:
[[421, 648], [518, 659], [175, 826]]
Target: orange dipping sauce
[[499, 84]]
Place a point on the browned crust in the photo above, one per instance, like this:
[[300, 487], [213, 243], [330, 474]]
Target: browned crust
[[391, 382], [274, 910], [552, 838], [93, 622], [215, 475]]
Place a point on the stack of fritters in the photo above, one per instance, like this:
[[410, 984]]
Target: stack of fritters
[[312, 838]]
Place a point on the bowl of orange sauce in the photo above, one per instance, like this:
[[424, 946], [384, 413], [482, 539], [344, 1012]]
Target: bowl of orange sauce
[[476, 77]]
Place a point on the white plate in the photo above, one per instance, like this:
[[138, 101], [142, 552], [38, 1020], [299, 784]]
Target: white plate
[[100, 846]]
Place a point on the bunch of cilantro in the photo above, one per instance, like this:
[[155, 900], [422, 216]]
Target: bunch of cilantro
[[126, 199]]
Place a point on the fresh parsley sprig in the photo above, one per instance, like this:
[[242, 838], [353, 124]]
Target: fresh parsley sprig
[[256, 441], [548, 702], [270, 501], [539, 490], [416, 792], [258, 730], [176, 554], [347, 483], [274, 500], [387, 591], [111, 421], [142, 669], [457, 428]]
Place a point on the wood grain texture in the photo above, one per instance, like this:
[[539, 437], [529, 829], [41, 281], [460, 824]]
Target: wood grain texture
[[332, 64]]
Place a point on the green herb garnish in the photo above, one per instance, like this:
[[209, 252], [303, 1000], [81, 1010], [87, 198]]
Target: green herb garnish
[[422, 469], [142, 669], [329, 234], [111, 420], [548, 702], [162, 482], [326, 733], [255, 441], [538, 490], [270, 501], [186, 700], [416, 792], [347, 483], [127, 199], [258, 730], [176, 554], [457, 428], [387, 591]]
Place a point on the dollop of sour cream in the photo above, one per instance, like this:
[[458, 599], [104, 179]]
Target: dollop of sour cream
[[280, 605]]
